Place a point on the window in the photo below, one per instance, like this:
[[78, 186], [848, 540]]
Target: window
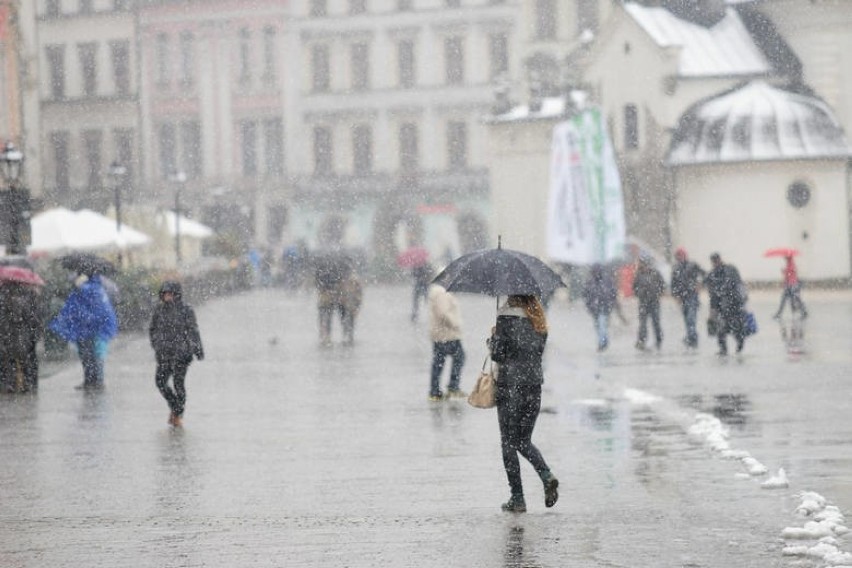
[[322, 151], [190, 145], [319, 8], [453, 3], [164, 70], [120, 5], [56, 63], [321, 68], [545, 19], [457, 145], [362, 149], [61, 159], [499, 54], [404, 5], [408, 151], [357, 6], [587, 15], [86, 6], [245, 56], [120, 52], [123, 140], [631, 127], [454, 60], [168, 150], [405, 54], [248, 136], [269, 59], [92, 143], [273, 139], [360, 66], [798, 194], [53, 8], [89, 66], [187, 59]]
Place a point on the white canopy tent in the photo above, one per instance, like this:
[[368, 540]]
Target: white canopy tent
[[59, 230], [188, 227]]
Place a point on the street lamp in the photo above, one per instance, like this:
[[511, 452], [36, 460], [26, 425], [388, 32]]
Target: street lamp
[[179, 178], [117, 173], [16, 204]]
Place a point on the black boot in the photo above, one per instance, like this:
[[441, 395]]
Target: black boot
[[515, 504], [551, 484]]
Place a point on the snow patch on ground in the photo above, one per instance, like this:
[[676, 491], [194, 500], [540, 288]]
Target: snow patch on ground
[[825, 527]]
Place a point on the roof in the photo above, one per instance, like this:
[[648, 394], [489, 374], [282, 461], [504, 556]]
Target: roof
[[757, 121], [551, 107], [723, 49]]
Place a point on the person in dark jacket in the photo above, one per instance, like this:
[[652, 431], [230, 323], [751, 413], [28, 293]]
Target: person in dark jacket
[[600, 296], [648, 286], [686, 281], [175, 338], [727, 301], [21, 325], [517, 345]]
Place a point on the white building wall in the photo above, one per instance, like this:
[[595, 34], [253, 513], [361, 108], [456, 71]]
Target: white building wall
[[717, 211]]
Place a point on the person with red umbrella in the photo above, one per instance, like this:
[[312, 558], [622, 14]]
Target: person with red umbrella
[[792, 285], [21, 326]]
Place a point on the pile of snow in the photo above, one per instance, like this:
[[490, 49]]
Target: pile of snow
[[824, 528]]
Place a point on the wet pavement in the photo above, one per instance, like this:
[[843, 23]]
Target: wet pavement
[[296, 455]]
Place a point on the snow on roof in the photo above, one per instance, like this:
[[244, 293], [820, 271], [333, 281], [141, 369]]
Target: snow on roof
[[723, 49], [551, 107], [757, 121]]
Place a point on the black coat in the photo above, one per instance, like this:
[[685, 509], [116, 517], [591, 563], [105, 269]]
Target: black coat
[[21, 320], [600, 294], [727, 294], [686, 277], [517, 347], [648, 285], [174, 332]]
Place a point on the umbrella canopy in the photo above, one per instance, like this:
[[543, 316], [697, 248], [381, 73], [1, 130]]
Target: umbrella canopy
[[413, 257], [126, 237], [781, 251], [20, 275], [499, 272], [188, 227], [86, 263], [60, 229]]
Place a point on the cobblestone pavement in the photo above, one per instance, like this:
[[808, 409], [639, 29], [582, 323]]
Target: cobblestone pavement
[[295, 455]]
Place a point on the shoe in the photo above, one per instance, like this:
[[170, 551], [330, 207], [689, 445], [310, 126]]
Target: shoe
[[740, 347], [722, 353], [776, 317], [515, 504], [551, 494], [436, 397], [640, 346], [176, 421], [455, 393]]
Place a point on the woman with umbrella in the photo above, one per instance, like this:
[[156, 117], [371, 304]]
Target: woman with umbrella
[[517, 345], [792, 286], [21, 326]]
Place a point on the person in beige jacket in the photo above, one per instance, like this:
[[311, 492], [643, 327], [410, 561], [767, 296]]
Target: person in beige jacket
[[445, 332]]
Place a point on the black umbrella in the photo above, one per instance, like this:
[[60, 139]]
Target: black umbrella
[[499, 272], [87, 263]]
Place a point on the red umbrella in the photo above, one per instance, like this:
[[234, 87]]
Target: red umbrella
[[782, 251], [20, 275], [413, 257]]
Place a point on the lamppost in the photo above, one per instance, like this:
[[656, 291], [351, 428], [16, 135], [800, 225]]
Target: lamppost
[[179, 178], [117, 173], [17, 201]]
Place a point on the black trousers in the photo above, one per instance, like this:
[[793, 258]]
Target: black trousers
[[517, 411], [176, 369]]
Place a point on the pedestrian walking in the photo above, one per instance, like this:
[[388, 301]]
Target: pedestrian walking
[[21, 326], [648, 287], [339, 291], [792, 290], [445, 332], [517, 345], [422, 275], [176, 340], [600, 296], [686, 282], [727, 302], [88, 319]]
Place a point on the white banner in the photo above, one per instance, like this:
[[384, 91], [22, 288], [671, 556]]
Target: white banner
[[586, 208]]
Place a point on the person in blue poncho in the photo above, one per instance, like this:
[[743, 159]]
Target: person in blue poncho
[[88, 319]]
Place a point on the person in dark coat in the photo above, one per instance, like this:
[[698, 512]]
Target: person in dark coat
[[176, 340], [88, 319], [600, 296], [339, 290], [648, 287], [21, 326], [517, 345], [422, 275], [686, 281], [727, 302]]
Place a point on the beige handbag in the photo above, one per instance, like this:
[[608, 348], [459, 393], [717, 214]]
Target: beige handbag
[[484, 393]]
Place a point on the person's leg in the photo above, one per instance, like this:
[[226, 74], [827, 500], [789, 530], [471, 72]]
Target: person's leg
[[325, 312], [165, 369], [600, 330], [784, 295], [796, 302], [508, 419], [643, 325], [690, 316], [530, 406], [179, 380], [655, 321], [31, 369], [439, 355], [457, 353], [91, 366]]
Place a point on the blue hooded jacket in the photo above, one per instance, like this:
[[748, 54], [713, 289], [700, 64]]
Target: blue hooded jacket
[[87, 314]]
